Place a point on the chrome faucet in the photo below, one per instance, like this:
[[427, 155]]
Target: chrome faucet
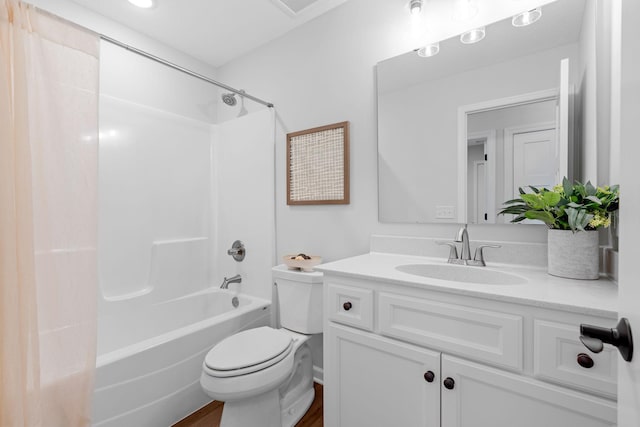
[[465, 255], [463, 237], [226, 282]]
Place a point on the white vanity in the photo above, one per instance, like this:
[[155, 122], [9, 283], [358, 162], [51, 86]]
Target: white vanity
[[404, 349]]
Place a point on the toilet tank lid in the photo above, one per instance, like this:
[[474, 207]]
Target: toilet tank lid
[[282, 272]]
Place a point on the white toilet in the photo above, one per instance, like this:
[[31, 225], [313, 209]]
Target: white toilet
[[265, 375]]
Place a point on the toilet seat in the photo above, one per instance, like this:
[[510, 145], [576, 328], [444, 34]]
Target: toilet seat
[[247, 352]]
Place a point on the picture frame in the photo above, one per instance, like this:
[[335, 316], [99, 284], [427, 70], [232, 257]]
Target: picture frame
[[318, 165]]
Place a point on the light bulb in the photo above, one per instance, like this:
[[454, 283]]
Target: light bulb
[[415, 6], [429, 50], [473, 36], [145, 4], [526, 18]]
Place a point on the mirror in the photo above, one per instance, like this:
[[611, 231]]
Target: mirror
[[458, 132]]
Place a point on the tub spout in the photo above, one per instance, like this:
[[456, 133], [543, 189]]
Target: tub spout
[[234, 279]]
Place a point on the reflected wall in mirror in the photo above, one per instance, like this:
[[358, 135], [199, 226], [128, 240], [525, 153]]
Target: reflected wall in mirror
[[439, 116]]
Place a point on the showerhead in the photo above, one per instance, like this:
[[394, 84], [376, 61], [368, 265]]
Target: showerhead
[[229, 99]]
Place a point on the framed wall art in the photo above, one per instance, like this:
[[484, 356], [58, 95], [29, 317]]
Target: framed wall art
[[318, 165]]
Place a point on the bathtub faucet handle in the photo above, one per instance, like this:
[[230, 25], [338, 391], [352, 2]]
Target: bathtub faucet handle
[[237, 251], [234, 279]]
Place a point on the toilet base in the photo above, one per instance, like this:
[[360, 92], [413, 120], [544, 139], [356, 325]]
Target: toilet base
[[295, 412], [261, 410]]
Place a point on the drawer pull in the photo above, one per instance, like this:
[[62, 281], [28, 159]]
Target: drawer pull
[[585, 360], [347, 306], [429, 376], [449, 383]]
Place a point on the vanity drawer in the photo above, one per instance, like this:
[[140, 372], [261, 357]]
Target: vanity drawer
[[351, 306], [556, 350], [476, 334]]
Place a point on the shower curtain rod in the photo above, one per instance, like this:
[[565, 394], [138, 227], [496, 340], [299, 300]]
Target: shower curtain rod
[[184, 70]]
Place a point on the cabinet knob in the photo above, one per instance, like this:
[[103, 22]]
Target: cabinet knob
[[585, 360], [449, 383], [429, 376], [347, 306]]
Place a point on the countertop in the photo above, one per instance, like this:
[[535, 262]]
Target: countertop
[[592, 297]]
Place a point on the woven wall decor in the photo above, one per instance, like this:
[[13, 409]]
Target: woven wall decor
[[318, 165]]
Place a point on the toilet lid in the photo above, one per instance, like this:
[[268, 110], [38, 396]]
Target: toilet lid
[[249, 348]]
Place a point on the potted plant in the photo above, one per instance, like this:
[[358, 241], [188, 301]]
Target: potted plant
[[573, 213]]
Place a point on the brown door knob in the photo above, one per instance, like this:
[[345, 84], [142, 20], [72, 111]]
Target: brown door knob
[[585, 360], [449, 383], [347, 306], [429, 376]]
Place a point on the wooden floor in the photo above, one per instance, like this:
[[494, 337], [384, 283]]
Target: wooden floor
[[209, 416]]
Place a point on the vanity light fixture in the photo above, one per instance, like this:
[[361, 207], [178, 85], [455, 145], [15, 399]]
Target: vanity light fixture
[[415, 6], [473, 36], [145, 4], [526, 18], [429, 50]]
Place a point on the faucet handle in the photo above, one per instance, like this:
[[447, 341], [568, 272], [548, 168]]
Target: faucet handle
[[453, 251], [479, 255]]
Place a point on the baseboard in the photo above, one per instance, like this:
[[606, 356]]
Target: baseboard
[[318, 375]]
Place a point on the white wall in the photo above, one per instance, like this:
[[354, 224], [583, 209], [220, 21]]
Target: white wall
[[598, 93]]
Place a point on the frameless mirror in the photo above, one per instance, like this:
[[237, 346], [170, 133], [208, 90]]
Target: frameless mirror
[[460, 131]]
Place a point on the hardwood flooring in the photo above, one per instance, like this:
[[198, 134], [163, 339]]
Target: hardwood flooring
[[209, 416]]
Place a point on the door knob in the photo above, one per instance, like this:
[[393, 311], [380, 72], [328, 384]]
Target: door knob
[[347, 306], [594, 338], [593, 344]]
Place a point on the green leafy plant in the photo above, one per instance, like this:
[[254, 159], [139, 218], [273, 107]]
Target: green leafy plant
[[575, 207]]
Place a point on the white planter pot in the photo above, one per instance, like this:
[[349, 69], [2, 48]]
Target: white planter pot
[[573, 255]]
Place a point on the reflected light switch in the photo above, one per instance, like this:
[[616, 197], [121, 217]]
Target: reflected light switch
[[445, 212]]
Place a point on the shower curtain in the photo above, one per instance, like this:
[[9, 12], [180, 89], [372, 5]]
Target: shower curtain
[[48, 218]]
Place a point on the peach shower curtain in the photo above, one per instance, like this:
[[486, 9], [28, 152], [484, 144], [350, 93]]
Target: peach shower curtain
[[48, 218]]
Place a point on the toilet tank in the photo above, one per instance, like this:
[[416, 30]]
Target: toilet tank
[[299, 299]]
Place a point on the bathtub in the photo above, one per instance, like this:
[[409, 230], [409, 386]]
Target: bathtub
[[150, 359]]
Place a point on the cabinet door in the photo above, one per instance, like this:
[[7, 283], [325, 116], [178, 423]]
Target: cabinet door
[[372, 381], [483, 396]]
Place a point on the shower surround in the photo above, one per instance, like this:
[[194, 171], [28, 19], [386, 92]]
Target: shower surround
[[170, 205]]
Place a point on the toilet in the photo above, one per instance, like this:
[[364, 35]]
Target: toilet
[[265, 375]]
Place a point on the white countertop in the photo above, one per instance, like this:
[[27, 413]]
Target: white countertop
[[593, 297]]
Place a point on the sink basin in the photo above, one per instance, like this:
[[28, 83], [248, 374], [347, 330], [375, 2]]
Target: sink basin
[[462, 273]]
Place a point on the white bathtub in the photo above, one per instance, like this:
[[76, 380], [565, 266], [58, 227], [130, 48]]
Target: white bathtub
[[150, 360]]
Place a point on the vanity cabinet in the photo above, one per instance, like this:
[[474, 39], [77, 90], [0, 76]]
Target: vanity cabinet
[[484, 396], [380, 382], [398, 355]]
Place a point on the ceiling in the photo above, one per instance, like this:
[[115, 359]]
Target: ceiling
[[214, 31], [218, 31]]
